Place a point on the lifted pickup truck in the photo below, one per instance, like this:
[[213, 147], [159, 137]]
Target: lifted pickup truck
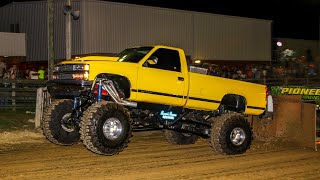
[[100, 100]]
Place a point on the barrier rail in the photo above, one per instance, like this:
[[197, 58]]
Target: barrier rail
[[287, 81], [19, 93]]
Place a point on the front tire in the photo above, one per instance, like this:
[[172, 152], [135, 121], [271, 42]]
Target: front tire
[[106, 128], [175, 137], [57, 123], [231, 134]]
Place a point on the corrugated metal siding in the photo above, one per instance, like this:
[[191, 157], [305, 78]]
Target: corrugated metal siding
[[219, 37], [6, 12], [112, 27], [12, 44], [31, 17]]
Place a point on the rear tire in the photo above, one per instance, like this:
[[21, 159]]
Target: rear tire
[[53, 126], [175, 137], [106, 128], [230, 134]]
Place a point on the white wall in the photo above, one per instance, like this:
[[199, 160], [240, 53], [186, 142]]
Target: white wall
[[12, 44]]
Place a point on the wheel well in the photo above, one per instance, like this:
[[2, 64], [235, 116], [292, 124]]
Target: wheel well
[[233, 102], [122, 83]]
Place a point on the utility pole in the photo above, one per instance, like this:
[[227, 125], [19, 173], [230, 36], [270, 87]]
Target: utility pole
[[75, 14], [68, 31], [50, 21]]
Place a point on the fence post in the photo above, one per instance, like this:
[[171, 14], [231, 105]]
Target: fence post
[[13, 96], [39, 107]]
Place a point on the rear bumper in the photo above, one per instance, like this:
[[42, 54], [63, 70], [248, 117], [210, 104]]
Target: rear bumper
[[68, 88]]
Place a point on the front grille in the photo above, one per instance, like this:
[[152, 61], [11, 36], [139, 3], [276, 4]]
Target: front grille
[[68, 67], [64, 76]]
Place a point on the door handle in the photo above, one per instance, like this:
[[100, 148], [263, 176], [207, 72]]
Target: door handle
[[180, 78]]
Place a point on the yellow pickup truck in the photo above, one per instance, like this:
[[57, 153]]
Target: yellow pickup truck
[[101, 99]]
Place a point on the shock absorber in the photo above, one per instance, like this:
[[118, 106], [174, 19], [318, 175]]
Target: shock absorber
[[75, 103], [99, 91]]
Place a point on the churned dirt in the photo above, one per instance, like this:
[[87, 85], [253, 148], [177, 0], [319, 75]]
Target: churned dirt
[[28, 155]]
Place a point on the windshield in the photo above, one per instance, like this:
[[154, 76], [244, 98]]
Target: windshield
[[133, 54]]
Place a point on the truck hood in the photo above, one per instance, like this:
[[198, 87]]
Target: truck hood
[[90, 58]]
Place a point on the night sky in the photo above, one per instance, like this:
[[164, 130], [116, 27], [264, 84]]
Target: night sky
[[291, 19]]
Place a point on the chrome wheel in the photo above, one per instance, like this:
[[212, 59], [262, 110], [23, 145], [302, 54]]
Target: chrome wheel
[[112, 128], [237, 136], [66, 123]]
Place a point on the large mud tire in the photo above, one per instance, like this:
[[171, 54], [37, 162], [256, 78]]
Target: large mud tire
[[52, 123], [175, 137], [230, 134], [106, 129]]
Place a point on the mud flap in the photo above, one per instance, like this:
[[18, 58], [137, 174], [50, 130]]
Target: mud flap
[[292, 120]]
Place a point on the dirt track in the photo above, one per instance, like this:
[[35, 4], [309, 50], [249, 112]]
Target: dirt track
[[31, 156]]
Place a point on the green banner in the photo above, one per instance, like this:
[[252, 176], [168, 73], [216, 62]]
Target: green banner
[[307, 93]]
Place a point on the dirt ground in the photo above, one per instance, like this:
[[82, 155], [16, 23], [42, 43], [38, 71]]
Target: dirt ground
[[28, 155]]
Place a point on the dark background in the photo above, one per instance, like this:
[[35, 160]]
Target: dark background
[[291, 18]]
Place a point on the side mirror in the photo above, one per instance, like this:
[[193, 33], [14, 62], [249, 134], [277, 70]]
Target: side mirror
[[152, 60]]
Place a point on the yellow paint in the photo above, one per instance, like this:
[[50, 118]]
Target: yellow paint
[[284, 90]]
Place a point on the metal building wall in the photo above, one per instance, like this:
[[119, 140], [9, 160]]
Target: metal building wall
[[111, 27], [31, 17], [12, 44], [5, 12], [219, 37]]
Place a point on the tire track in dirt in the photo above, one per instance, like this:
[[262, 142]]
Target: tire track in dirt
[[149, 156]]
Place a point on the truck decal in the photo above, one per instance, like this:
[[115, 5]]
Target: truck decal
[[207, 100], [171, 95], [168, 115], [254, 107], [156, 93]]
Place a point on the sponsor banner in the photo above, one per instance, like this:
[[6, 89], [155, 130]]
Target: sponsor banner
[[306, 93]]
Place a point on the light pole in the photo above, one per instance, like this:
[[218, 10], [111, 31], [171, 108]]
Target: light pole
[[50, 20], [75, 14]]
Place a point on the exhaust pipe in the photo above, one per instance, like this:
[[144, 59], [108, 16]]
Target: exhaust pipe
[[112, 91]]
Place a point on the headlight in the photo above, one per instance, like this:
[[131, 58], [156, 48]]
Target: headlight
[[81, 76], [56, 68], [81, 67], [71, 71], [86, 75]]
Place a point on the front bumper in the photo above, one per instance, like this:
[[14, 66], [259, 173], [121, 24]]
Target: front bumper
[[68, 88]]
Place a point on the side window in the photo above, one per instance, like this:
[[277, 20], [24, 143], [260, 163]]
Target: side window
[[167, 60]]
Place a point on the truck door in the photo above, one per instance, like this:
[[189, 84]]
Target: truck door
[[160, 78]]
